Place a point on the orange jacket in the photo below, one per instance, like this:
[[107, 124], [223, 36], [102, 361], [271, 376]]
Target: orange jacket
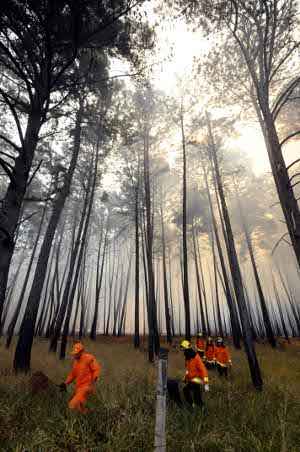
[[222, 356], [195, 368], [200, 344], [85, 370], [210, 352]]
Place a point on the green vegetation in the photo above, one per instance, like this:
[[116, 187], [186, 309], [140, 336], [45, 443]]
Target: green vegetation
[[238, 418]]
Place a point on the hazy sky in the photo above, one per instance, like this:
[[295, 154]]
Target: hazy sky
[[176, 48]]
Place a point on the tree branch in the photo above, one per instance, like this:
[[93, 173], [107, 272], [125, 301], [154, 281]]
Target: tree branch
[[8, 170], [34, 173], [296, 183], [11, 143], [275, 204], [283, 97], [284, 59], [293, 176], [27, 218], [289, 137], [14, 113], [278, 242], [22, 74], [292, 164], [8, 155]]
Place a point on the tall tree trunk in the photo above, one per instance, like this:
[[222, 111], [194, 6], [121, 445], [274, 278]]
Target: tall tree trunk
[[153, 337], [263, 304], [236, 274], [23, 350], [203, 291], [136, 339], [124, 303], [288, 201], [84, 244], [99, 279], [68, 285], [283, 323], [167, 309], [13, 199], [186, 296], [171, 296], [236, 333], [12, 325], [220, 327], [292, 302], [110, 295], [11, 290], [203, 323]]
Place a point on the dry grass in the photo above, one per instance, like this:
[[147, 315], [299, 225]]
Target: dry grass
[[238, 418]]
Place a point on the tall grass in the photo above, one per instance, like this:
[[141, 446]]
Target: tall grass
[[123, 410]]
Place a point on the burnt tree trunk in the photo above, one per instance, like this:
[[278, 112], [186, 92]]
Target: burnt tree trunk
[[23, 350], [167, 309], [230, 301], [99, 279], [236, 273], [136, 339], [263, 304], [186, 296], [203, 323], [153, 337], [13, 199]]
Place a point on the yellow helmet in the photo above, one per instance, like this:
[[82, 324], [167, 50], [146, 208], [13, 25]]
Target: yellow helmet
[[185, 345], [77, 348]]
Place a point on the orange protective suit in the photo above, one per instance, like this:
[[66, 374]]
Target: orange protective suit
[[195, 369], [222, 356], [200, 344], [210, 352], [85, 372]]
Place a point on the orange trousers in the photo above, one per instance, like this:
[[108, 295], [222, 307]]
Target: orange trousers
[[78, 401]]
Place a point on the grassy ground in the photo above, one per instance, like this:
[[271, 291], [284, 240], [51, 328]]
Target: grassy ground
[[238, 418]]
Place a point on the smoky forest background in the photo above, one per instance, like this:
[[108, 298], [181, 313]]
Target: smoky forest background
[[149, 173]]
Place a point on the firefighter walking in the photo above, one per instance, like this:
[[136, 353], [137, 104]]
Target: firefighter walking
[[200, 344], [222, 357], [210, 354], [85, 373], [195, 375]]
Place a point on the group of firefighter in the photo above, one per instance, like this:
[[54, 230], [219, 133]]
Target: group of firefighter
[[207, 354]]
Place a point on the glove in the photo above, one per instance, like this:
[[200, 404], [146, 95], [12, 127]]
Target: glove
[[63, 387], [206, 387]]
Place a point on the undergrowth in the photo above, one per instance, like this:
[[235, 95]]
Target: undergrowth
[[237, 418]]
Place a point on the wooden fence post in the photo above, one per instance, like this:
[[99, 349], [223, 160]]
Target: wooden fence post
[[161, 402]]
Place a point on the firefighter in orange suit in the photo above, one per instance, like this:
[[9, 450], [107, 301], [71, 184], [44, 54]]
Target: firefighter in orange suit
[[210, 354], [222, 357], [195, 375], [200, 344], [85, 373]]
